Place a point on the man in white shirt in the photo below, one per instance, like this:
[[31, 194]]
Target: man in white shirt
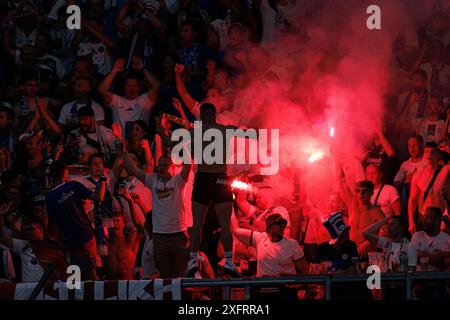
[[169, 226], [430, 127], [384, 196], [276, 254], [131, 106], [31, 248], [69, 112], [98, 136], [413, 164], [433, 245]]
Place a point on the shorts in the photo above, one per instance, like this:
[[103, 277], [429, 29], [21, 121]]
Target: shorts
[[211, 187]]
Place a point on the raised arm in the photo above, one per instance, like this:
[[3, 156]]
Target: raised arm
[[149, 162], [99, 194], [390, 151], [104, 86], [165, 139], [99, 35], [243, 235], [43, 109], [138, 65], [242, 202], [132, 168], [125, 30], [177, 105], [137, 221], [154, 20], [186, 166], [371, 233], [181, 88]]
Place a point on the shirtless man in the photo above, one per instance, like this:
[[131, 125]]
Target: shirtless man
[[362, 213], [122, 250], [211, 186], [440, 189]]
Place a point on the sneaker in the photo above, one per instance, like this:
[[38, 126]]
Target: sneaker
[[230, 268], [192, 269]]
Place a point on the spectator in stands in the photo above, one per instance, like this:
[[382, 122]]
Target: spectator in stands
[[432, 243], [429, 186], [340, 250], [410, 107], [384, 196], [97, 45], [122, 246], [399, 255], [264, 206], [66, 215], [430, 127], [169, 226], [192, 54], [381, 153], [276, 254], [131, 106], [83, 90], [27, 106], [413, 164], [361, 211], [433, 253], [98, 136]]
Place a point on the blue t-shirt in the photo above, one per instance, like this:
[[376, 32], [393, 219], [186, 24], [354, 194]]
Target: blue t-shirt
[[65, 208]]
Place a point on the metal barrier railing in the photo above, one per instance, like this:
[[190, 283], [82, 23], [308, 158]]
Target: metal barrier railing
[[326, 279]]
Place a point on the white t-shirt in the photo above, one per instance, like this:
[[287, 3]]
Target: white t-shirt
[[31, 269], [68, 116], [168, 207], [102, 135], [430, 130], [424, 242], [275, 258], [408, 167], [387, 197], [125, 111], [403, 253]]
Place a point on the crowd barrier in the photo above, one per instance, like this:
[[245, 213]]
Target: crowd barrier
[[159, 289]]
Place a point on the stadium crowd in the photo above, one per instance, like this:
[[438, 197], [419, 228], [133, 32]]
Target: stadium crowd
[[86, 172]]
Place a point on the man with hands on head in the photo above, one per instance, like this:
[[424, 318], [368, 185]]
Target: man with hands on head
[[132, 106]]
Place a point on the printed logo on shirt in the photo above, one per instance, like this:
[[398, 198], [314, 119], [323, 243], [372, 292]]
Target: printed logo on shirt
[[164, 193], [66, 196], [132, 107]]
